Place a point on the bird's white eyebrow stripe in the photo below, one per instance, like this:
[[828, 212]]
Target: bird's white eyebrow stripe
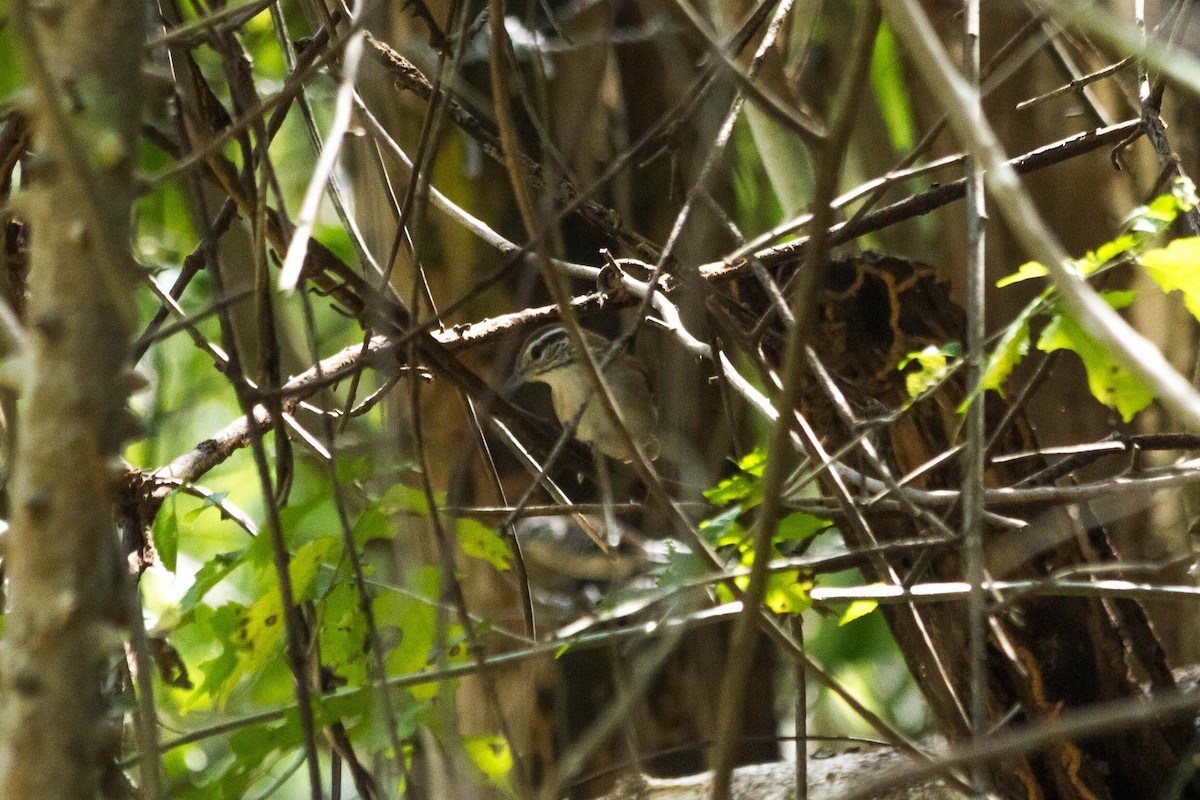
[[553, 333]]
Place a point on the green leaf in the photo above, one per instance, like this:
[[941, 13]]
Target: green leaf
[[1163, 208], [681, 565], [755, 206], [353, 470], [260, 552], [1110, 250], [491, 755], [13, 77], [417, 623], [1109, 381], [754, 463], [372, 524], [935, 363], [343, 632], [342, 708], [307, 561], [799, 526], [1154, 218], [258, 635], [480, 541], [714, 530], [214, 500], [404, 498], [1176, 267], [788, 593], [213, 572], [887, 79], [737, 488], [253, 744], [371, 733], [337, 240], [857, 609], [1008, 353], [215, 674], [745, 485], [165, 535], [1027, 271]]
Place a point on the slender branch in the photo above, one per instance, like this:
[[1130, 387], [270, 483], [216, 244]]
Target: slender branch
[[744, 638], [1076, 84], [975, 428]]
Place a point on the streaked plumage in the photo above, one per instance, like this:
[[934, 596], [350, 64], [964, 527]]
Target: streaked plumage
[[547, 357]]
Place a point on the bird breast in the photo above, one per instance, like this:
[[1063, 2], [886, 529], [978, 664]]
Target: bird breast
[[632, 395]]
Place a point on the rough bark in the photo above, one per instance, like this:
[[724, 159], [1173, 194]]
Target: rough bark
[[83, 59]]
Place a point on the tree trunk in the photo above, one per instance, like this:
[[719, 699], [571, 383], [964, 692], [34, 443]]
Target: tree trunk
[[84, 59]]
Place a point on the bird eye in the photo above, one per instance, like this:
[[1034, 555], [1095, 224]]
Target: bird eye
[[535, 352]]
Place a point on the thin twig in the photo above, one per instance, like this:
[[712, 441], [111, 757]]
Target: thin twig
[[780, 450]]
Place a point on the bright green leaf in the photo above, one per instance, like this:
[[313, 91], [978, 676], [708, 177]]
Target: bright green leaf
[[935, 363], [799, 526], [1110, 250], [735, 535], [259, 634], [1007, 354], [491, 755], [165, 535], [788, 593], [857, 609], [745, 485], [754, 462], [737, 488], [1153, 218], [891, 91], [1163, 208], [1027, 271], [480, 541], [260, 630], [1109, 381], [1177, 267]]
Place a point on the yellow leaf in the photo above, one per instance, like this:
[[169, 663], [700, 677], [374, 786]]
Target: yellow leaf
[[1177, 267]]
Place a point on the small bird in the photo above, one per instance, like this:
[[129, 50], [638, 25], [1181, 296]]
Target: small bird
[[548, 357]]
